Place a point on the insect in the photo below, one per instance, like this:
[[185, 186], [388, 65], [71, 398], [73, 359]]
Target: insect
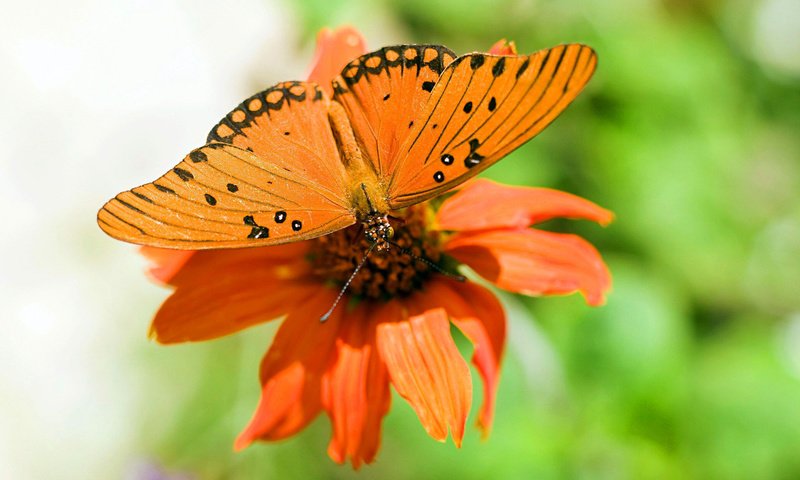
[[405, 124]]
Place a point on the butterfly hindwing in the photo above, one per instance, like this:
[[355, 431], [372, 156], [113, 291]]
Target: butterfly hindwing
[[482, 108], [383, 93], [223, 196]]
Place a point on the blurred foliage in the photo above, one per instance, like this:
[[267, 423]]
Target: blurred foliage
[[691, 369]]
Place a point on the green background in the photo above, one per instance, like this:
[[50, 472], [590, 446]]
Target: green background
[[690, 136]]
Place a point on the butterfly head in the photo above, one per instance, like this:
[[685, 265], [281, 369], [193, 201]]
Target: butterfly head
[[378, 231]]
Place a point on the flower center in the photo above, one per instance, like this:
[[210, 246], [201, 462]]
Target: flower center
[[386, 273]]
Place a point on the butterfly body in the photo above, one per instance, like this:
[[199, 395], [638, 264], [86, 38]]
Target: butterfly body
[[405, 124], [366, 192]]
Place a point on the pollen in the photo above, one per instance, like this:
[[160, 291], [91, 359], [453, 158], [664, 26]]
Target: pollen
[[387, 273]]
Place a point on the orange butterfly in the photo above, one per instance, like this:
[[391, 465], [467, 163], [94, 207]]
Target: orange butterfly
[[405, 124]]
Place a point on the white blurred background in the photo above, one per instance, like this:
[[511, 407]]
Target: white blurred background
[[96, 97]]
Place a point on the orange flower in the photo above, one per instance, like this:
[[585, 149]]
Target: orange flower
[[393, 325]]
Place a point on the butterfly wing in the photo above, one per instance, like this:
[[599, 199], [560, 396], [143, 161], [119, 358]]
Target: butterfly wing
[[482, 108], [271, 174], [383, 93], [288, 125]]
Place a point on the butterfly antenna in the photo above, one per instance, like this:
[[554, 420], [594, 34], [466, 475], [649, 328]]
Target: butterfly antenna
[[460, 278], [347, 284], [364, 189]]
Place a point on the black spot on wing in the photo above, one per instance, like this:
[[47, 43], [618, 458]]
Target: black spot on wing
[[243, 116], [560, 59], [499, 67], [288, 91], [183, 174], [162, 188], [523, 67], [474, 158], [142, 197], [338, 89], [409, 56], [123, 202], [198, 156], [259, 232]]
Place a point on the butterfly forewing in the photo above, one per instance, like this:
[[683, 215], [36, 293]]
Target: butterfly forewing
[[288, 124], [222, 196], [383, 93], [482, 108]]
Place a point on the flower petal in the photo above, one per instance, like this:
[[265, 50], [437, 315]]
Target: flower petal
[[284, 261], [355, 391], [483, 204], [427, 370], [480, 316], [221, 292], [292, 370], [165, 262], [534, 262], [503, 47], [213, 312], [335, 49]]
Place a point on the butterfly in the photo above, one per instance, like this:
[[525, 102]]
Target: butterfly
[[405, 124]]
